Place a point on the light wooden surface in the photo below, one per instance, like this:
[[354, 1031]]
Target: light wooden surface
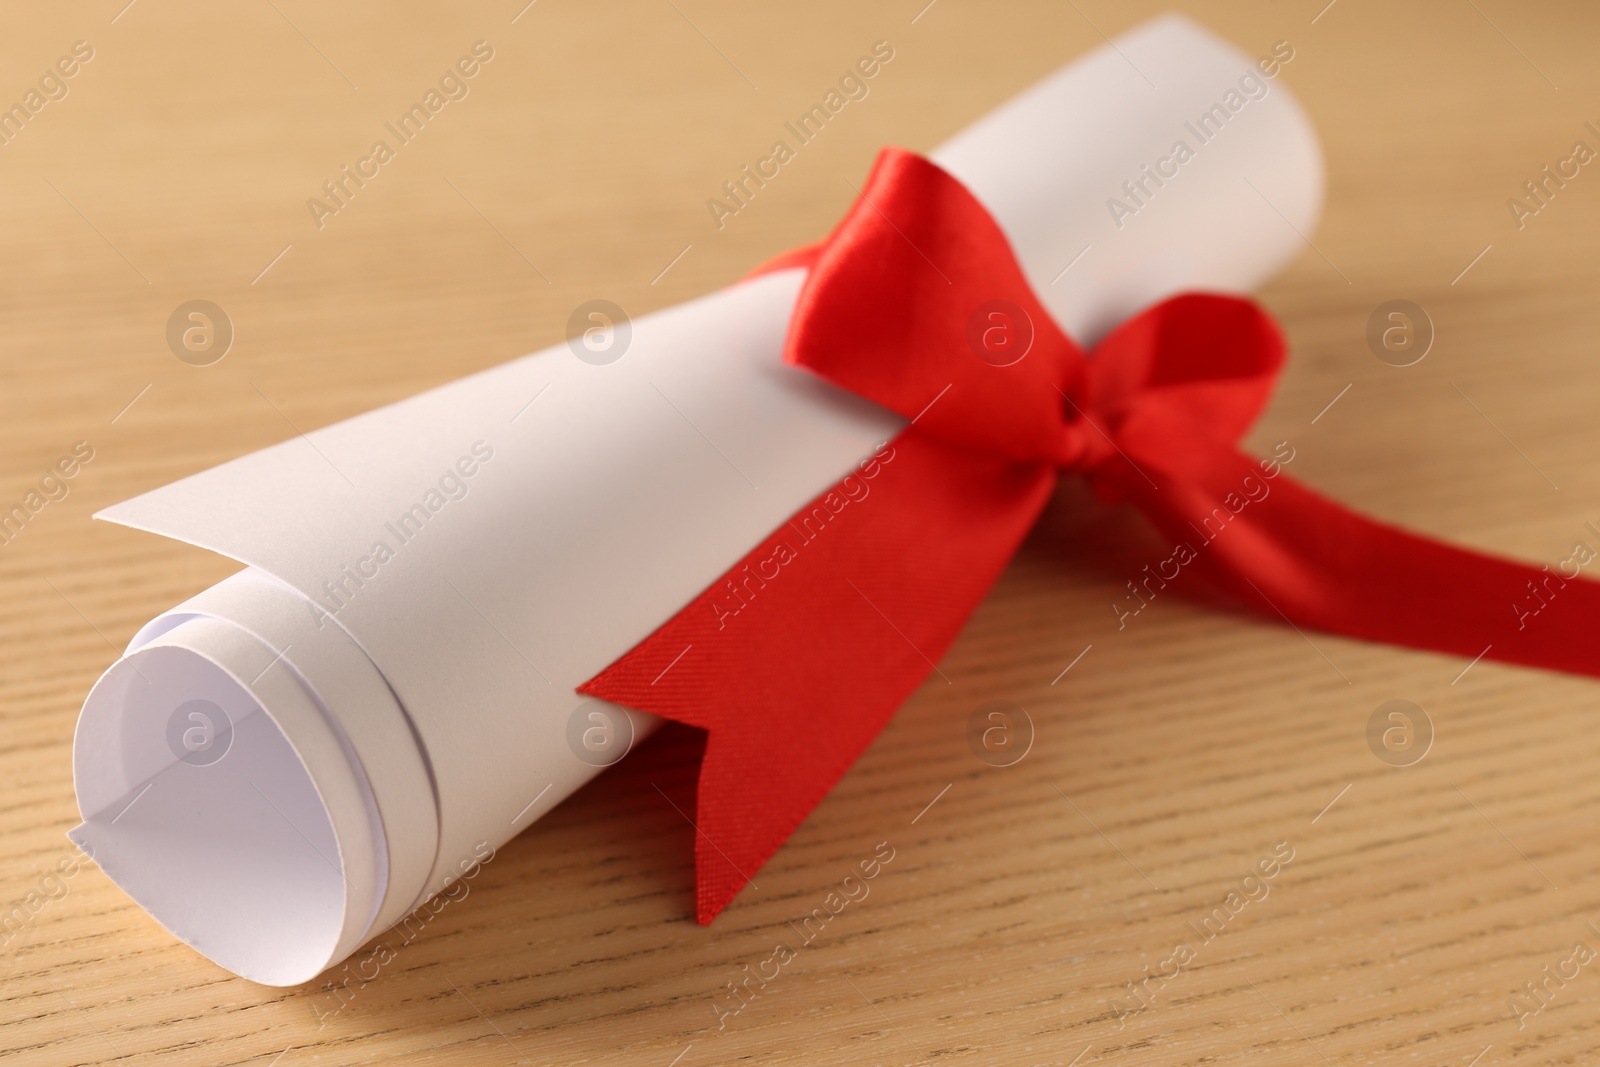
[[1171, 758]]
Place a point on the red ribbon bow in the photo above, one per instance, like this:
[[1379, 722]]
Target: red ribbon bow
[[801, 652]]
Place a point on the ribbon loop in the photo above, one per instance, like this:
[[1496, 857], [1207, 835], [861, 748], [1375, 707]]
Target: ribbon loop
[[1203, 362], [916, 303]]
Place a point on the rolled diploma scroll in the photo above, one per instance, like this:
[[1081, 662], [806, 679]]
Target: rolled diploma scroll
[[390, 715]]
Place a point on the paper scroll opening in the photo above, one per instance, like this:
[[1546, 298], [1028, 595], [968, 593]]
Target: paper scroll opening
[[223, 822]]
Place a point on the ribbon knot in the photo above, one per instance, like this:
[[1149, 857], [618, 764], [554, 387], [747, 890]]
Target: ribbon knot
[[797, 657], [1083, 447]]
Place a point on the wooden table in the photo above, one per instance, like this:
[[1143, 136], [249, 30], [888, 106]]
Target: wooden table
[[1171, 759]]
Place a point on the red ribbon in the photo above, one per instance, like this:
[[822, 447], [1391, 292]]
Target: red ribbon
[[797, 657]]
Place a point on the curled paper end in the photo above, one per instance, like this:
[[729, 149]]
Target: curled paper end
[[219, 794], [199, 849]]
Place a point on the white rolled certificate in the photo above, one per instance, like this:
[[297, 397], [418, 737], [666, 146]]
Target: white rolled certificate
[[291, 761]]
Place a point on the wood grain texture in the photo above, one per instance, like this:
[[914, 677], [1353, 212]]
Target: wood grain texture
[[1175, 754]]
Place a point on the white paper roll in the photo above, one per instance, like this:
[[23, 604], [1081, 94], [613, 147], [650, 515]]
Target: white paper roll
[[285, 765]]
